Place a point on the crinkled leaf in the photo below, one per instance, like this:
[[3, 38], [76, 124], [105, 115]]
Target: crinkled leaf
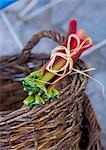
[[39, 100], [36, 74], [29, 100], [53, 93]]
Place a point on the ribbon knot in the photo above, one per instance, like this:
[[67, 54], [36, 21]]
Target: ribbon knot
[[67, 55]]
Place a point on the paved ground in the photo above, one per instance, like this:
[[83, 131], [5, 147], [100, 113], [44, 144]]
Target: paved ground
[[91, 15]]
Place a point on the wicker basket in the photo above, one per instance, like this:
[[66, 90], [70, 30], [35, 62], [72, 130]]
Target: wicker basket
[[66, 123]]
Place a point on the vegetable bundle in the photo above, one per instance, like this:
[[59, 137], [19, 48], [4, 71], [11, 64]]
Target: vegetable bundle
[[42, 84]]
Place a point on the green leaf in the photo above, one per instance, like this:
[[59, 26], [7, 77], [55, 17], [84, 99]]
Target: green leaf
[[36, 74], [42, 89], [29, 100], [39, 100], [53, 93]]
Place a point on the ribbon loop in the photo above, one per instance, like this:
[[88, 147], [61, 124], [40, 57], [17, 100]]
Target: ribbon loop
[[67, 54]]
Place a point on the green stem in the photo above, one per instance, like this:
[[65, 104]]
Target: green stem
[[48, 75]]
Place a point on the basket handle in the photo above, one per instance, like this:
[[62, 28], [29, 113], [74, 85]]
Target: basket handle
[[55, 36]]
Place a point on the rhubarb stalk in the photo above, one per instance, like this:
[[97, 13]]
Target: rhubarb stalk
[[41, 85]]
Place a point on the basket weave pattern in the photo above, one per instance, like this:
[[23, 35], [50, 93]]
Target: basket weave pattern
[[66, 123]]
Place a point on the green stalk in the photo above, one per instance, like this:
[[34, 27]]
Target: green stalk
[[57, 66], [35, 85]]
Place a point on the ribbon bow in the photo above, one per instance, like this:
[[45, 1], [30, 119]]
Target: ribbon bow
[[67, 55]]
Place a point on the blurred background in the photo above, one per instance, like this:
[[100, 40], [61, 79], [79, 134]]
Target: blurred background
[[21, 20]]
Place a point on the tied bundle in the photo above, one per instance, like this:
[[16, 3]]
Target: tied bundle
[[42, 84]]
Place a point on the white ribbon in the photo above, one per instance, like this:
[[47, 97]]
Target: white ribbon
[[67, 55]]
